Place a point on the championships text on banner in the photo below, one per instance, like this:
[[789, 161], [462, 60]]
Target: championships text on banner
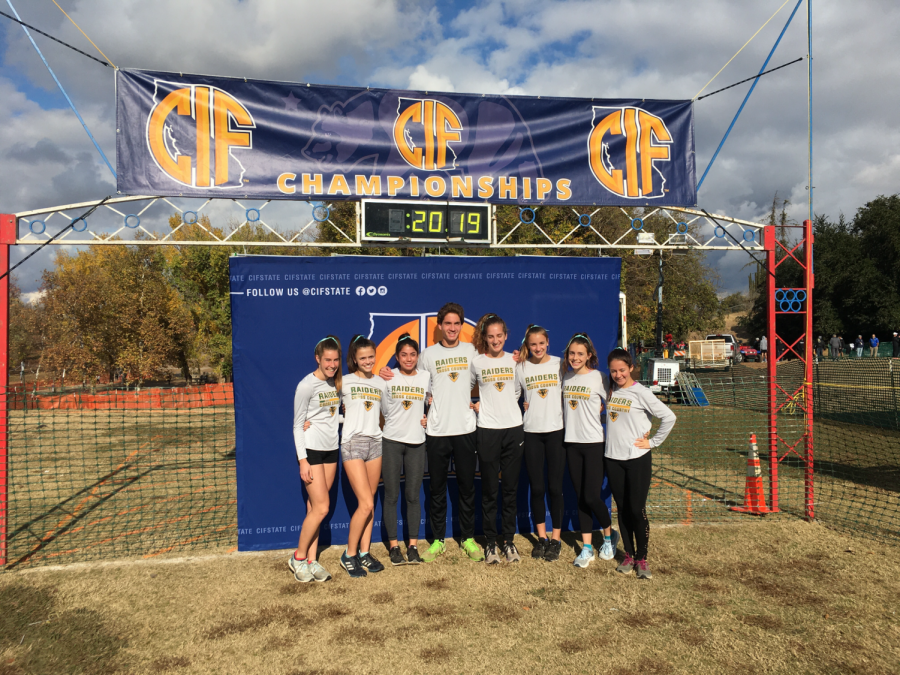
[[202, 136], [282, 306]]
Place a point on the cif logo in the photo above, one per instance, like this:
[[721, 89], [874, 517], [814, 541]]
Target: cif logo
[[423, 132], [624, 147], [386, 329], [192, 132]]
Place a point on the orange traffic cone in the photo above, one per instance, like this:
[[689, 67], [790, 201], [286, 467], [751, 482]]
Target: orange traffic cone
[[754, 499]]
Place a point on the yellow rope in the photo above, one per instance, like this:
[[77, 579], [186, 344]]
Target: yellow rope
[[89, 39], [735, 54]]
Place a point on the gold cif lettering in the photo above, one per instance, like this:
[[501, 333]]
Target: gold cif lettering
[[645, 134], [439, 127], [222, 123]]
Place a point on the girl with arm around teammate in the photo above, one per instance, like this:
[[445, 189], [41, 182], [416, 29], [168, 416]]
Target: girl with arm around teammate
[[316, 403], [628, 456], [362, 392], [538, 376], [500, 435], [584, 393], [403, 445]]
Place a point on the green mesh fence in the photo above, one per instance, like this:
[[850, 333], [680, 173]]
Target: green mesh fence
[[123, 474], [119, 474]]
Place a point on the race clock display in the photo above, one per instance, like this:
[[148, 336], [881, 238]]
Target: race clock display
[[425, 221]]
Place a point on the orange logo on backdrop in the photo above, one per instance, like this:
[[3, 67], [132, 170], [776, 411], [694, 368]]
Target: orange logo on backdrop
[[384, 352], [222, 123]]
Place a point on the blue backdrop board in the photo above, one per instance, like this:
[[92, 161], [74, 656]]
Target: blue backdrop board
[[201, 136], [282, 306]]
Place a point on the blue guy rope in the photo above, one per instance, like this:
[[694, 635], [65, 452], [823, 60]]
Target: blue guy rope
[[58, 84], [752, 87]]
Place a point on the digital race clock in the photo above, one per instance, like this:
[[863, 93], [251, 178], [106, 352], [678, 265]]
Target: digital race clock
[[387, 220]]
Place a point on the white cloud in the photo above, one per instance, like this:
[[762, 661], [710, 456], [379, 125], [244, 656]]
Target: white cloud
[[603, 48]]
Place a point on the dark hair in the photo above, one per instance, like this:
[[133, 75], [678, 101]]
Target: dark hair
[[479, 340], [356, 343], [533, 329], [619, 354], [332, 343], [451, 308], [405, 341], [580, 339]]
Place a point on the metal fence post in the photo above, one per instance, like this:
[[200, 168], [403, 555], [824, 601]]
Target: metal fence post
[[809, 278], [7, 237], [772, 364]]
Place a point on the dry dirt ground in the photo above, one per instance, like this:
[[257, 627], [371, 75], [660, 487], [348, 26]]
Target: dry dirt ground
[[763, 597]]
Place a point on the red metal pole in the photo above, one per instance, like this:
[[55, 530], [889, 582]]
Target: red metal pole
[[7, 237], [808, 376], [769, 245]]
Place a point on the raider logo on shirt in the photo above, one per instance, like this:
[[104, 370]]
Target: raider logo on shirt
[[543, 393], [573, 403], [406, 404], [367, 404], [613, 415], [499, 385], [453, 375]]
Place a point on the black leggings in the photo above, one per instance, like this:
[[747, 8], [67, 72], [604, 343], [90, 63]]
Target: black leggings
[[409, 461], [586, 470], [538, 449], [629, 480]]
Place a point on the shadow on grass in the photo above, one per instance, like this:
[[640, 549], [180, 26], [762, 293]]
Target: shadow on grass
[[36, 637]]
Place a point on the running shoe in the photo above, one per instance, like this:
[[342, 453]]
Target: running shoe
[[396, 556], [511, 552], [584, 558], [319, 572], [627, 565], [472, 550], [412, 555], [608, 550], [641, 569], [370, 562], [551, 553], [540, 548], [437, 547], [353, 565], [492, 557], [300, 570]]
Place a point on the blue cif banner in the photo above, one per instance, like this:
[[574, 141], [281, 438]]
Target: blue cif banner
[[282, 306], [201, 136]]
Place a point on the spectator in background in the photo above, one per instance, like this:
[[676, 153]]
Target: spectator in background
[[859, 346], [896, 344], [841, 346], [835, 344], [873, 346], [820, 348], [763, 349]]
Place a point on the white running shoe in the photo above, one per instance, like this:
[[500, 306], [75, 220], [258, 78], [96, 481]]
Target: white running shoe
[[300, 569], [584, 558], [319, 573], [607, 552]]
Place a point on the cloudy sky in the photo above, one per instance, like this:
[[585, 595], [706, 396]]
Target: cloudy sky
[[641, 48]]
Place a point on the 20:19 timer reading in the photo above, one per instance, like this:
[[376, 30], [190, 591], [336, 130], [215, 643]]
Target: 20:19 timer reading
[[425, 221]]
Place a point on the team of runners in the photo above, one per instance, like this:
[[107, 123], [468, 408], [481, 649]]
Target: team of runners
[[426, 403]]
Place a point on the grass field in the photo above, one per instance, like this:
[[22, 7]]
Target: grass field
[[759, 597], [102, 484]]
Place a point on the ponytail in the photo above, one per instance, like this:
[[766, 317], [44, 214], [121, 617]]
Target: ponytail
[[331, 342], [581, 338], [405, 340], [533, 329], [479, 340], [357, 342]]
